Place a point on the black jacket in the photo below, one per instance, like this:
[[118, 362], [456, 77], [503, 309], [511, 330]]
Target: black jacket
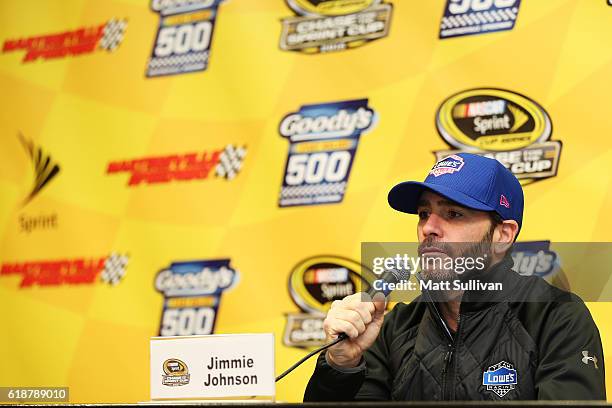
[[529, 341]]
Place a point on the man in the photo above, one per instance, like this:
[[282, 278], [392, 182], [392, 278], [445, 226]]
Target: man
[[526, 341]]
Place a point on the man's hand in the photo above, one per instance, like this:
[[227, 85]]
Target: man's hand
[[361, 320]]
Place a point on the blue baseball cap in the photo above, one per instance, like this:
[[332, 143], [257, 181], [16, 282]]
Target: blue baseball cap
[[470, 180]]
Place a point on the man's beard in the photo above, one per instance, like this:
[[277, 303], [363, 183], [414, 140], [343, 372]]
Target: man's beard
[[437, 269]]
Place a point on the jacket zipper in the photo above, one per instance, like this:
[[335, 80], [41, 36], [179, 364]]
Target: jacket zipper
[[448, 358]]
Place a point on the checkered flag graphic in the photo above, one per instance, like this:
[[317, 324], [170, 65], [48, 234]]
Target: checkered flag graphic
[[478, 18], [230, 161], [114, 269], [318, 190], [113, 34]]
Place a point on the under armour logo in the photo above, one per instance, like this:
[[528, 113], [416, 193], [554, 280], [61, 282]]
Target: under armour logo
[[586, 358]]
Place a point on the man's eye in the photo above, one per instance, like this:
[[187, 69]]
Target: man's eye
[[454, 214], [423, 214]]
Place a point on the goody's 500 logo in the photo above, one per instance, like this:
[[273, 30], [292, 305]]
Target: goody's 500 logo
[[184, 36], [502, 125], [535, 258], [332, 25], [84, 40], [314, 284], [466, 17], [323, 142], [192, 293]]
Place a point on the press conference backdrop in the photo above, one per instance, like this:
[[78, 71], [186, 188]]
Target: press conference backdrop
[[178, 168]]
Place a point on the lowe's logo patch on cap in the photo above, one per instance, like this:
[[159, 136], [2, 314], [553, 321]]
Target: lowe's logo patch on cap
[[500, 378], [448, 165]]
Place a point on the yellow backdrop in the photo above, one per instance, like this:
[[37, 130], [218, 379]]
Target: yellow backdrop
[[86, 113]]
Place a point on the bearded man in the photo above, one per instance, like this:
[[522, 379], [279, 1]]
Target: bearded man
[[526, 341]]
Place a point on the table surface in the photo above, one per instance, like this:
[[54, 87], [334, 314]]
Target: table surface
[[390, 404]]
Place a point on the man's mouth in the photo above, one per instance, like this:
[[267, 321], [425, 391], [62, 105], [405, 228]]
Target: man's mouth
[[432, 251]]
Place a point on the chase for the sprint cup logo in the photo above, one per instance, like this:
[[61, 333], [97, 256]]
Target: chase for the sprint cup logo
[[501, 378], [183, 39], [314, 284], [192, 295], [333, 25], [176, 373], [323, 143], [468, 17], [502, 125]]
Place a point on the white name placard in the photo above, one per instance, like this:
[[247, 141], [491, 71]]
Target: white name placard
[[214, 366]]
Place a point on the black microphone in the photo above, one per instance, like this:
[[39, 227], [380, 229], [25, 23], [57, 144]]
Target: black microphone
[[388, 278]]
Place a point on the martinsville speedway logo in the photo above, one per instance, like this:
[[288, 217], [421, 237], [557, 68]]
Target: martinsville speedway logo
[[502, 125], [192, 293], [184, 36], [323, 143], [314, 284], [80, 271], [85, 40], [467, 17], [332, 25], [44, 166], [225, 163]]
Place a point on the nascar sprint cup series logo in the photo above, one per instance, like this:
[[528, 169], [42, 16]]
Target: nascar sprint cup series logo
[[314, 284], [184, 35], [192, 294], [323, 142], [467, 17], [332, 25], [502, 125]]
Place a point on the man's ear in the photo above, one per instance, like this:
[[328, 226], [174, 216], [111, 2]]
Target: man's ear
[[504, 235]]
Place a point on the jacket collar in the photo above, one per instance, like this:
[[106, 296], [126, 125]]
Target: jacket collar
[[478, 298]]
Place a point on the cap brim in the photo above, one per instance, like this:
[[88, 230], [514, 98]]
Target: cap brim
[[405, 196]]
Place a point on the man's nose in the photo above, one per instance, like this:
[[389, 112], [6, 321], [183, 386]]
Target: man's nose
[[433, 226]]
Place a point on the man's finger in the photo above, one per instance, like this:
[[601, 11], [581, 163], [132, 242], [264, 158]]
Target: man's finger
[[379, 304], [342, 326], [352, 317]]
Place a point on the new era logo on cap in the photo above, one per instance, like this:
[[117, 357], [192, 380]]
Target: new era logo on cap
[[447, 165], [504, 201]]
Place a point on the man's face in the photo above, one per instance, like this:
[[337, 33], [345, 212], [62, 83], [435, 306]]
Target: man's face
[[446, 221], [448, 230]]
